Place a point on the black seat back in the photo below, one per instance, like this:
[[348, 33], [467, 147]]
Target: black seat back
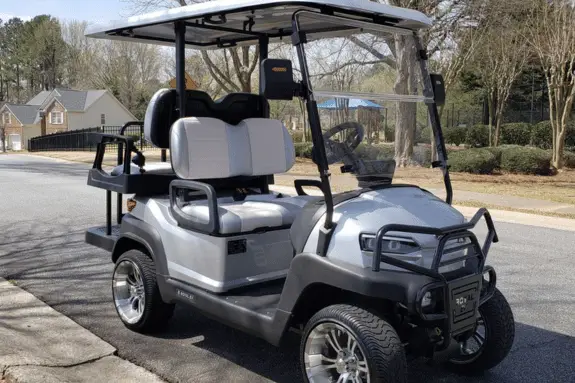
[[162, 111]]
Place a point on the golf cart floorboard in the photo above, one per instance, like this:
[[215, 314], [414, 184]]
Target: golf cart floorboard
[[97, 236], [261, 298]]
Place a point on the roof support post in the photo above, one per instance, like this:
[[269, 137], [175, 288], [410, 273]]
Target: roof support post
[[180, 32], [264, 51]]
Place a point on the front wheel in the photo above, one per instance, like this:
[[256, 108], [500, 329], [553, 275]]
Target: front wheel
[[492, 339], [343, 343]]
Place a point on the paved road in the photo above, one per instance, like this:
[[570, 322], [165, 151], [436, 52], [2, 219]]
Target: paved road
[[45, 206]]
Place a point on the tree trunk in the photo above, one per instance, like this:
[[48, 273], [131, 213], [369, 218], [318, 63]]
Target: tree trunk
[[405, 121], [557, 160], [17, 83], [3, 138], [491, 107]]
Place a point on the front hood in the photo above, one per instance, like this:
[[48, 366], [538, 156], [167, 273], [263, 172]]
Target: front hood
[[398, 205], [367, 213]]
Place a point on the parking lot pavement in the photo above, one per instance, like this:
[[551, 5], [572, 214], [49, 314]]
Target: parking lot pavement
[[46, 206]]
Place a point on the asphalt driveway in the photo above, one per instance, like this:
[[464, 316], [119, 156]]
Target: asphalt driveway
[[46, 206]]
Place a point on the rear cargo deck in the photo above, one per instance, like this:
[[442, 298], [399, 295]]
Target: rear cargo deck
[[98, 237]]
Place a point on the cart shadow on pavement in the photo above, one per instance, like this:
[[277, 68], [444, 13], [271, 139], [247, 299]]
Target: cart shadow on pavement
[[538, 355]]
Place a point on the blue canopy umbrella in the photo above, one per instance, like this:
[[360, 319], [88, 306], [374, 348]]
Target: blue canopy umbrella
[[352, 104]]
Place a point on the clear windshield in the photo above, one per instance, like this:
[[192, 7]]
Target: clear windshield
[[370, 93]]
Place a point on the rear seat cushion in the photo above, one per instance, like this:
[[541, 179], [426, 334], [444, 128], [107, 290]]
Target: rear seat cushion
[[153, 168]]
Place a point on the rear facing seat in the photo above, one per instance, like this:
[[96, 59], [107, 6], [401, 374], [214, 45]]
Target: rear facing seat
[[208, 148]]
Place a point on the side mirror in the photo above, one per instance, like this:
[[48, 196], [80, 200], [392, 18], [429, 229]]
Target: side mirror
[[277, 79], [438, 85]]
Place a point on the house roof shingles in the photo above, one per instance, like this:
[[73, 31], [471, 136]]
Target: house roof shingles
[[72, 100], [39, 98], [77, 100], [26, 114]]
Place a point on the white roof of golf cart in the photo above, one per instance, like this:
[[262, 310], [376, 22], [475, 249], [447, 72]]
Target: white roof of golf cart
[[271, 18]]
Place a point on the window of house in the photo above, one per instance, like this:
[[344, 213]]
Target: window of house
[[56, 118], [103, 119], [6, 118]]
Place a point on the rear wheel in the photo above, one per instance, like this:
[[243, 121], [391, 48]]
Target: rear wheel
[[343, 343], [492, 339], [136, 294]]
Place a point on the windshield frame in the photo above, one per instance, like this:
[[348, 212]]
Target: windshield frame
[[299, 41]]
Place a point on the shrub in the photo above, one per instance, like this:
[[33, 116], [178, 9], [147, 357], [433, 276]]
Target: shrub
[[423, 135], [422, 155], [476, 161], [455, 135], [526, 160], [375, 152], [477, 136], [569, 159], [541, 135], [496, 151], [516, 134], [303, 149], [296, 135]]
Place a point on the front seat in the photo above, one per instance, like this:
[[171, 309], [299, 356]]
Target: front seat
[[209, 148]]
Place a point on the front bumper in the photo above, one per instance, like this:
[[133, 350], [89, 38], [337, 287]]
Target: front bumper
[[459, 293]]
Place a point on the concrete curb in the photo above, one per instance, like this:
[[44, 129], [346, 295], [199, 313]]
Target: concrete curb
[[38, 344]]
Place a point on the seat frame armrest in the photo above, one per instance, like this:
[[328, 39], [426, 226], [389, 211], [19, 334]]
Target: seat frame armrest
[[190, 222], [300, 184]]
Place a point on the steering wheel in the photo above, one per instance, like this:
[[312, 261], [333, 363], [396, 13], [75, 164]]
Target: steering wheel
[[340, 151]]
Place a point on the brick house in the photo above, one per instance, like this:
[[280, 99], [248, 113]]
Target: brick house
[[61, 110], [21, 122]]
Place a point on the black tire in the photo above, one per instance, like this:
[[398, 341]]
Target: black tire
[[376, 338], [156, 312], [499, 337]]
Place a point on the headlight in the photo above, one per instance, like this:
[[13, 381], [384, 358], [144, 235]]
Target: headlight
[[389, 245], [426, 301]]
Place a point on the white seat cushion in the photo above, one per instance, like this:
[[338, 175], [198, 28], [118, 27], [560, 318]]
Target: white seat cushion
[[249, 215], [153, 168]]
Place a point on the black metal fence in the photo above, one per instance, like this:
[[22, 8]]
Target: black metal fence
[[81, 141]]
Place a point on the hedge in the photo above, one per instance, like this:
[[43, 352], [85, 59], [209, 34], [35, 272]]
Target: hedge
[[569, 159], [516, 134], [303, 149], [455, 135], [526, 160], [476, 161], [541, 135], [296, 135], [477, 136]]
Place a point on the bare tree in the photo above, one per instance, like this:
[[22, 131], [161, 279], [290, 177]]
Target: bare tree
[[231, 68], [448, 17], [552, 35], [500, 59]]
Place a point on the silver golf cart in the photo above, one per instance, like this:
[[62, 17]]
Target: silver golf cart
[[368, 275]]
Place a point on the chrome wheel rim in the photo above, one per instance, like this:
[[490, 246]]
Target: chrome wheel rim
[[471, 349], [333, 354], [129, 293]]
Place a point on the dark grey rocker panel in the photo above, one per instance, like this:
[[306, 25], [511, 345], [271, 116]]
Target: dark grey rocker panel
[[306, 270]]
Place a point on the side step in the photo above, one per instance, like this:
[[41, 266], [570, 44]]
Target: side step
[[252, 311], [97, 236]]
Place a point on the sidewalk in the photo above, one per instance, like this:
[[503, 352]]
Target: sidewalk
[[40, 345]]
